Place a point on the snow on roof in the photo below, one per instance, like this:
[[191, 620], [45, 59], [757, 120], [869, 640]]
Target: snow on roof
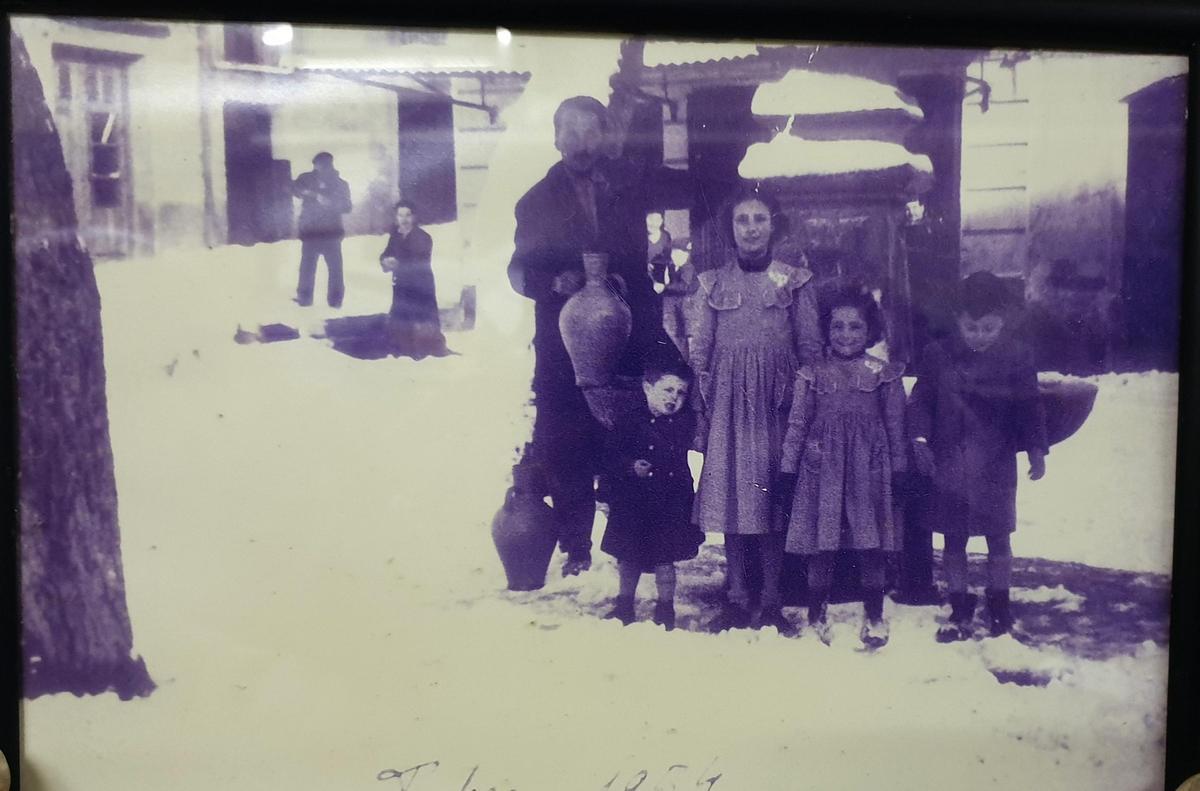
[[786, 155], [803, 92], [679, 53]]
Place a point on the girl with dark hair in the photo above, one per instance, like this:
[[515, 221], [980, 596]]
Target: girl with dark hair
[[413, 324], [845, 441], [755, 320]]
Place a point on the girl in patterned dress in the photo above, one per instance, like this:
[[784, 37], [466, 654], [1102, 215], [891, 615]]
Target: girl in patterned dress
[[755, 320], [844, 443]]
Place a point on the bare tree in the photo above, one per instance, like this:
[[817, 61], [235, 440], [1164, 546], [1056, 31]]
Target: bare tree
[[75, 625]]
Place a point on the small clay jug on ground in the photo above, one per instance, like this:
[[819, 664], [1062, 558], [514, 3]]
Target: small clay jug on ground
[[595, 325], [524, 533]]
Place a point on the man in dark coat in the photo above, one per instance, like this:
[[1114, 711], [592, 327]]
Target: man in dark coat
[[324, 197], [585, 203]]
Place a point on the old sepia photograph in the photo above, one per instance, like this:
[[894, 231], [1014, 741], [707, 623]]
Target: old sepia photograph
[[444, 410]]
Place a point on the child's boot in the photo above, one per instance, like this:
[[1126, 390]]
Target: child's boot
[[576, 564], [622, 611], [819, 621], [962, 613], [874, 632], [664, 614], [999, 614]]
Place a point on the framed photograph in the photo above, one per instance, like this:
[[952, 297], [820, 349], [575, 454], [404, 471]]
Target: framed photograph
[[617, 401]]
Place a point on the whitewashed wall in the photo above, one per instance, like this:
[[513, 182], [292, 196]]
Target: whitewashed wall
[[1044, 168], [166, 162]]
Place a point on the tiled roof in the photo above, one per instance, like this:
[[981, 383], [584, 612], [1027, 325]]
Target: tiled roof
[[661, 54], [435, 64], [418, 68]]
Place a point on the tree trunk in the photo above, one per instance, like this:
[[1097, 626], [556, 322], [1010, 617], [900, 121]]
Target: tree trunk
[[75, 625]]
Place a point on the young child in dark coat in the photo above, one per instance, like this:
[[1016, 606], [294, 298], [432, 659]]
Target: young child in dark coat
[[650, 502], [975, 405]]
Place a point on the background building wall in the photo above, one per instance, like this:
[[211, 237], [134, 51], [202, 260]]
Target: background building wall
[[1043, 193], [475, 135], [357, 124], [166, 162], [1044, 166]]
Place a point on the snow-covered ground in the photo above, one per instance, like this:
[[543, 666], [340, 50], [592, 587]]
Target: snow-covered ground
[[312, 583]]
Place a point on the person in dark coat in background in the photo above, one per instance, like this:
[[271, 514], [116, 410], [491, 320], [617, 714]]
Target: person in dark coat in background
[[585, 203], [682, 283], [658, 251], [649, 524], [413, 324], [325, 197], [974, 406]]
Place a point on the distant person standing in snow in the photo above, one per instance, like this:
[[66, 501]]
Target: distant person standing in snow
[[585, 203], [324, 198], [658, 251], [678, 295], [413, 324], [976, 405]]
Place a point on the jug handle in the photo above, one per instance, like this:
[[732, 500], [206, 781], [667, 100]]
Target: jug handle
[[621, 288]]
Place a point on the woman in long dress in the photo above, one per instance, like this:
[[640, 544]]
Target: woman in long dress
[[756, 321], [413, 325]]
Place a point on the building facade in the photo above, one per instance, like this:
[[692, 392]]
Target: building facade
[[185, 135]]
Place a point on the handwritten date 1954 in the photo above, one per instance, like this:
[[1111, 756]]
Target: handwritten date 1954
[[676, 778]]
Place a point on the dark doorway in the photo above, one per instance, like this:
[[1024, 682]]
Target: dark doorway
[[1154, 196], [720, 129], [426, 147], [258, 186], [644, 139]]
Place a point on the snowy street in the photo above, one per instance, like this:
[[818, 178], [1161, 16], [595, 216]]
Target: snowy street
[[313, 585]]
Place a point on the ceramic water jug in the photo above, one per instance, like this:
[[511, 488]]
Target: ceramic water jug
[[524, 533], [595, 325]]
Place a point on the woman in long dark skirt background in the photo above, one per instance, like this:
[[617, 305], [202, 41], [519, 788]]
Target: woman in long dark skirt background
[[413, 326]]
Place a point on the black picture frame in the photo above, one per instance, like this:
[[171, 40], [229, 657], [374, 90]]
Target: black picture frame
[[1151, 27]]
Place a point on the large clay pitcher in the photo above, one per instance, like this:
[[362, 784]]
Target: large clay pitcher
[[595, 325], [524, 533]]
